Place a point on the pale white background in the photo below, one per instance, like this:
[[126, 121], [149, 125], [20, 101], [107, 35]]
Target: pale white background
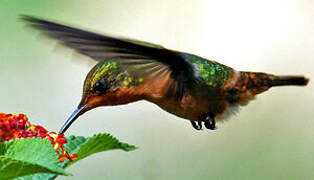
[[272, 138]]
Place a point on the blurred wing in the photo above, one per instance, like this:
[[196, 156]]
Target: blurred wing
[[137, 56]]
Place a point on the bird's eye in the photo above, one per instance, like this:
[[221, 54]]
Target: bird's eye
[[100, 87]]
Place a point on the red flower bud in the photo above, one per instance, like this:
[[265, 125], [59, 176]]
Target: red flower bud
[[17, 126]]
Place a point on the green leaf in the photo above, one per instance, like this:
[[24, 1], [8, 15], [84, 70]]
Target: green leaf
[[85, 147], [28, 156]]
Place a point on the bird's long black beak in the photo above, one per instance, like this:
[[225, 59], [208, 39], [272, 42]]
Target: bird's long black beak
[[72, 118]]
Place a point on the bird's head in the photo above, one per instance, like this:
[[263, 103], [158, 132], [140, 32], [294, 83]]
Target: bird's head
[[107, 84], [97, 86]]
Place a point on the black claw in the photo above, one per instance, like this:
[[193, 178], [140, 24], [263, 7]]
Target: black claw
[[197, 126], [210, 125], [199, 123], [210, 122]]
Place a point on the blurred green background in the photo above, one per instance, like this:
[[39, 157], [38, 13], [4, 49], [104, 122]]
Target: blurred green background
[[272, 138]]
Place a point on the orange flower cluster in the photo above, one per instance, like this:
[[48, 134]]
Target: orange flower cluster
[[17, 127]]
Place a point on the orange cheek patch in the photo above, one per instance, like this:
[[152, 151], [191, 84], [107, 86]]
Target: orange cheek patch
[[120, 96], [148, 89]]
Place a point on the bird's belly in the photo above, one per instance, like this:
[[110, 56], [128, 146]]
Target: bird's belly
[[195, 112], [185, 113], [188, 108]]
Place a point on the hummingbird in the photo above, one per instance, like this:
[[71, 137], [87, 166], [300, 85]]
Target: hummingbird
[[186, 85]]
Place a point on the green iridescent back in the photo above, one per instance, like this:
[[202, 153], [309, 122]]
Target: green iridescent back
[[213, 73]]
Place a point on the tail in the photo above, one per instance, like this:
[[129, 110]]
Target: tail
[[289, 80], [257, 82], [250, 84]]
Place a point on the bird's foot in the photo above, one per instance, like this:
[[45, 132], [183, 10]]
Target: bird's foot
[[198, 126], [210, 122]]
